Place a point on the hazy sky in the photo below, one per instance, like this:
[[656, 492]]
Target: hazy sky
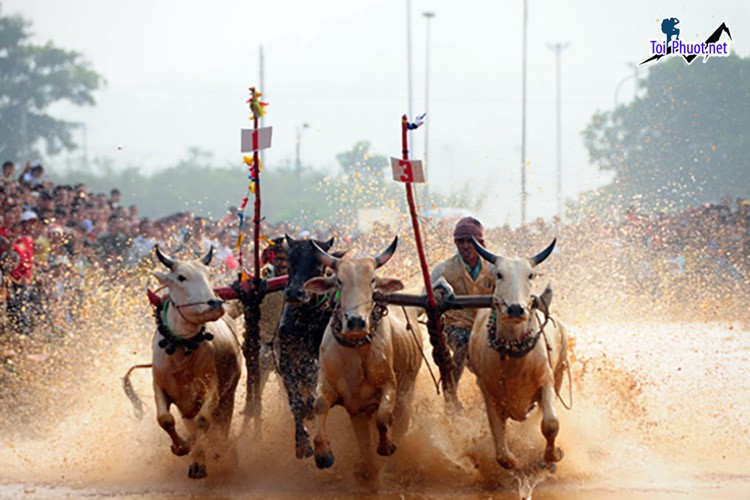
[[177, 76]]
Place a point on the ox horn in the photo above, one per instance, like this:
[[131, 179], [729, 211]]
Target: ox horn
[[206, 259], [483, 252], [539, 258], [169, 263], [289, 239], [324, 257], [387, 254]]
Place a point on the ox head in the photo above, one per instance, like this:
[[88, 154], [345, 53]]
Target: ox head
[[303, 265], [513, 276], [189, 288], [356, 281]]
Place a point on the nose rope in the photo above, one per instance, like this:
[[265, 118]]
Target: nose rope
[[178, 307]]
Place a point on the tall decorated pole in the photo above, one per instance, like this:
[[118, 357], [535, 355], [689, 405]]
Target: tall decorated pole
[[252, 140], [410, 171]]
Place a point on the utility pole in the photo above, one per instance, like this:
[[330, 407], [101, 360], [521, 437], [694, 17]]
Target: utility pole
[[557, 48], [262, 89], [298, 161], [408, 58], [523, 115], [428, 16]]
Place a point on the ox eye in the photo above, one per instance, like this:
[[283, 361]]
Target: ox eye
[[531, 276], [181, 278], [499, 276]]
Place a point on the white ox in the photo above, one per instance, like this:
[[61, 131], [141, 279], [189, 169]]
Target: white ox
[[196, 361], [516, 365], [368, 359]]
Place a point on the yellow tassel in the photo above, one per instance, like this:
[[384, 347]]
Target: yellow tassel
[[239, 240], [247, 160]]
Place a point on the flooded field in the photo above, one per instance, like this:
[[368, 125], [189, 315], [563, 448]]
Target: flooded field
[[660, 411]]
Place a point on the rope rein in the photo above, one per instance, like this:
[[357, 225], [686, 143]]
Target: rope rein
[[547, 317], [421, 350], [379, 311]]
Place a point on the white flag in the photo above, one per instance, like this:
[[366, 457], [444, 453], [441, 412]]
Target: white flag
[[407, 170], [255, 139]]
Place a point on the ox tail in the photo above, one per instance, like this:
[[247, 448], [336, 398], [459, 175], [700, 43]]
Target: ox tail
[[130, 392]]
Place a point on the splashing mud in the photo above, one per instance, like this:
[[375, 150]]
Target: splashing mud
[[661, 411]]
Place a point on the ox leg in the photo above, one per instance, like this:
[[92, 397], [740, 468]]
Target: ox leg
[[402, 411], [166, 421], [323, 454], [365, 471], [497, 425], [384, 419], [199, 429], [550, 424], [292, 382]]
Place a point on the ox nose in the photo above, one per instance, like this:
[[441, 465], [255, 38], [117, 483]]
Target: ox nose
[[515, 311], [355, 323], [215, 303], [295, 294]]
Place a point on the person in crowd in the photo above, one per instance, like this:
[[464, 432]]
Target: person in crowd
[[20, 303]]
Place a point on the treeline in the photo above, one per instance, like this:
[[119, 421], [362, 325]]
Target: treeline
[[304, 197]]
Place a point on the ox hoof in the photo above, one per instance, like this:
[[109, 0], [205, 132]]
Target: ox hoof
[[366, 476], [508, 462], [324, 460], [197, 471], [386, 448], [180, 449], [552, 456], [549, 467], [304, 450]]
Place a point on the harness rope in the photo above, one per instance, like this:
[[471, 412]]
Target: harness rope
[[547, 317], [421, 351], [520, 347], [379, 311], [510, 348]]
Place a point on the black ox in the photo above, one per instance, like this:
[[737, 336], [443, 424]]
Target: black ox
[[301, 329]]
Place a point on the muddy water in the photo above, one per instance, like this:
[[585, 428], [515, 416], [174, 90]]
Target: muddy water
[[660, 411]]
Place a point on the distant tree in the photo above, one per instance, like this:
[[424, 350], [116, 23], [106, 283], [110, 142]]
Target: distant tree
[[32, 77], [686, 141], [359, 161]]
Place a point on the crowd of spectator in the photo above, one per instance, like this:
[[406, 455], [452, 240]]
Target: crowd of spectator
[[56, 240]]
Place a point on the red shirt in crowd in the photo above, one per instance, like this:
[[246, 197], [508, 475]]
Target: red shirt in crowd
[[24, 247]]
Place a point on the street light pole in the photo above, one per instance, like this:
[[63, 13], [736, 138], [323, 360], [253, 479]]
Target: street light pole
[[298, 161], [428, 16], [523, 115], [557, 48], [408, 58], [261, 70]]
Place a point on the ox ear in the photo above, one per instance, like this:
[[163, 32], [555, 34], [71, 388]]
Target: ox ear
[[384, 257], [206, 259], [539, 258], [388, 285], [483, 252], [163, 278], [320, 285]]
